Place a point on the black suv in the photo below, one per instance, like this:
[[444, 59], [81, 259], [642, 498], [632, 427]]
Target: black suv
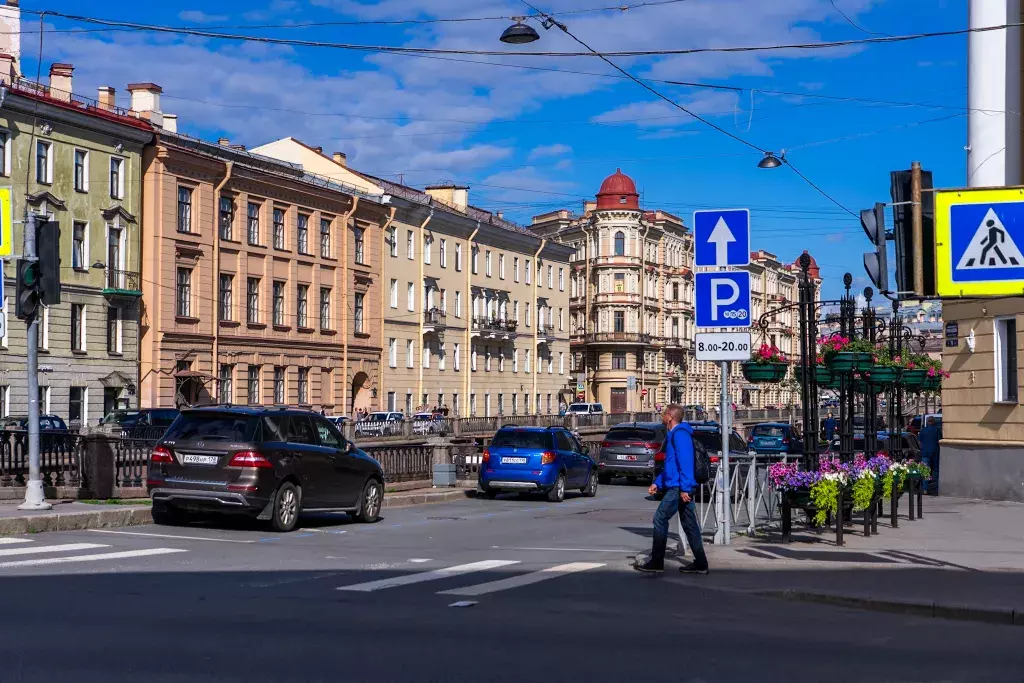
[[633, 450], [269, 463]]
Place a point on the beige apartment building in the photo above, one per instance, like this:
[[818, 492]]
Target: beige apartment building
[[475, 309], [631, 306], [260, 279]]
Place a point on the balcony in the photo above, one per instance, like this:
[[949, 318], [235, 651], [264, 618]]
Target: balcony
[[434, 320], [632, 299], [121, 283], [546, 333], [494, 328], [612, 338], [616, 261], [678, 343]]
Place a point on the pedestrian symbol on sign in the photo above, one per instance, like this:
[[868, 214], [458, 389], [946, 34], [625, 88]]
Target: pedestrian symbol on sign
[[991, 247]]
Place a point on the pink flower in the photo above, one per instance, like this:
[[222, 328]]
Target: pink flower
[[910, 366], [932, 372]]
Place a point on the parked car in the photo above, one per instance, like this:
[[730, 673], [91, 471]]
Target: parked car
[[537, 459], [584, 409], [148, 423], [381, 423], [268, 463], [918, 421], [427, 423], [47, 423], [339, 420], [632, 450], [709, 433], [775, 437]]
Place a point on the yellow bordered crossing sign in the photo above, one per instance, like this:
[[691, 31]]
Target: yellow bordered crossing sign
[[979, 242], [6, 222]]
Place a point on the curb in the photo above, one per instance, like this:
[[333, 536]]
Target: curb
[[409, 500], [1004, 617], [74, 521]]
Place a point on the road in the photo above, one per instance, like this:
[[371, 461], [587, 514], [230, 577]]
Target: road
[[478, 590]]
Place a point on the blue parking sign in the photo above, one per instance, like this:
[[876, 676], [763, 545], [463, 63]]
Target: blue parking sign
[[722, 299]]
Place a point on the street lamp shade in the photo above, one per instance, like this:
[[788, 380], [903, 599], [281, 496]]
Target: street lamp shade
[[519, 34], [769, 161]]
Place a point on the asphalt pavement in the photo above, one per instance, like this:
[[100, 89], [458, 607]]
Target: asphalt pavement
[[478, 590]]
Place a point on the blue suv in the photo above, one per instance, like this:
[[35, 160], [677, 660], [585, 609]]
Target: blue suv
[[537, 459]]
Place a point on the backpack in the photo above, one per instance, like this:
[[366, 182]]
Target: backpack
[[701, 462]]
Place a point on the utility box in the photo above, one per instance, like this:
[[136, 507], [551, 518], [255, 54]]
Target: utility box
[[444, 475]]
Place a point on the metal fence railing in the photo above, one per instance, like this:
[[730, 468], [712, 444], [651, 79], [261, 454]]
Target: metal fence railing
[[404, 463], [60, 458]]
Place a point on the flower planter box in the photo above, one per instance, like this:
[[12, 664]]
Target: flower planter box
[[764, 372], [914, 379], [883, 375], [932, 384], [850, 361], [822, 375]]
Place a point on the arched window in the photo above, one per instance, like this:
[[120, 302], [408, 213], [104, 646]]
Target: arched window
[[620, 244]]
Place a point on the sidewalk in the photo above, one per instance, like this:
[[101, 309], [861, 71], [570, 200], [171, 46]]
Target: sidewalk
[[74, 515], [963, 560]]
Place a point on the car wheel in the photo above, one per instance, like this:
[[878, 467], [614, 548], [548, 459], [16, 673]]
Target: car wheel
[[604, 479], [557, 492], [168, 515], [590, 490], [370, 502], [631, 479], [491, 494], [287, 505]]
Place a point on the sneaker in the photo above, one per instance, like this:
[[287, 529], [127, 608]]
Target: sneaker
[[649, 567], [693, 569]]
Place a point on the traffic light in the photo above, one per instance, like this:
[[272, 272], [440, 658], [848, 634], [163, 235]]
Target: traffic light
[[48, 251], [27, 302], [876, 263], [902, 193]]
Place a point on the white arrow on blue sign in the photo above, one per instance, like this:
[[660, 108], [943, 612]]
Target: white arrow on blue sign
[[721, 237], [722, 299]]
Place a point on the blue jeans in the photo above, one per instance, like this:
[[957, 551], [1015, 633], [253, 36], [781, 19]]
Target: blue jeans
[[669, 507]]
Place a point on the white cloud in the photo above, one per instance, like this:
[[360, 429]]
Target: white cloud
[[555, 150], [196, 16], [661, 114]]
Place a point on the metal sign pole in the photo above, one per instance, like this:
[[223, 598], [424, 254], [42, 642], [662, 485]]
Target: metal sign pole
[[726, 430], [34, 493]]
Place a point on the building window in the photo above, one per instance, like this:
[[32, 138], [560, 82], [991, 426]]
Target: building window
[[81, 170], [618, 361], [325, 309], [428, 247], [227, 217], [5, 160], [426, 357], [253, 216], [5, 401], [303, 234], [551, 282], [475, 258], [79, 246], [279, 385], [501, 266], [183, 293], [443, 253], [409, 244], [300, 305], [620, 244], [515, 269], [487, 358], [441, 353], [116, 178], [76, 406], [393, 353], [394, 293], [114, 328], [226, 285], [620, 283], [411, 297], [278, 228], [410, 353], [561, 279], [561, 363], [278, 303], [561, 319], [252, 388], [184, 209], [458, 257], [1006, 359], [360, 240], [487, 262], [303, 385], [515, 360], [252, 300], [225, 382], [458, 304], [325, 240], [472, 358], [393, 241], [529, 276], [456, 362], [620, 321], [44, 162]]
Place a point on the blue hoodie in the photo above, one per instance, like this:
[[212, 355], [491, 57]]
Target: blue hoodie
[[678, 472]]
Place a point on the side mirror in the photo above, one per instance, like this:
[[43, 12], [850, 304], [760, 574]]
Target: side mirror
[[348, 446]]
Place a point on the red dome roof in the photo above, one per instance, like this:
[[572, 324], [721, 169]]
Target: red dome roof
[[812, 269], [618, 191]]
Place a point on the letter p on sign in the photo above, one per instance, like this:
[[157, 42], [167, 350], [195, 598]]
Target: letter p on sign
[[723, 299], [724, 293]]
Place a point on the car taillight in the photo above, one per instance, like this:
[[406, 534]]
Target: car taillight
[[653, 445], [660, 456], [162, 455], [547, 457], [486, 457], [785, 442], [714, 459], [249, 459], [606, 444]]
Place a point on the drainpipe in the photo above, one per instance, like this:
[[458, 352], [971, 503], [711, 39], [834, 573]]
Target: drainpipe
[[469, 316], [228, 168], [536, 328], [383, 303], [344, 309], [643, 296], [423, 345], [586, 305]]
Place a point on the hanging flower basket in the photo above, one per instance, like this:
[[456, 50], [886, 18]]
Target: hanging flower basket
[[915, 379], [850, 361], [883, 375], [764, 373], [822, 375], [932, 384], [864, 387]]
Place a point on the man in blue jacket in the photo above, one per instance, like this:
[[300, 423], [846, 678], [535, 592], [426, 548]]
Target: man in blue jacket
[[678, 484]]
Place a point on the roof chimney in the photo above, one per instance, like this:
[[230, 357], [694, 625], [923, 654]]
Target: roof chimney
[[10, 33], [60, 81], [106, 97], [340, 159], [224, 142], [455, 196], [171, 123], [500, 215], [8, 70], [318, 150], [146, 101]]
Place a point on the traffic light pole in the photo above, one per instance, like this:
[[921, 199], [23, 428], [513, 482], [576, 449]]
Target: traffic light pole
[[34, 495]]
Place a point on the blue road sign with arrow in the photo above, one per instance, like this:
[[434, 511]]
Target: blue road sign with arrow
[[721, 237]]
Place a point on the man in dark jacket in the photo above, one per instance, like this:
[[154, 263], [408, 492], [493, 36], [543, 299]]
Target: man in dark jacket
[[929, 438], [678, 483]]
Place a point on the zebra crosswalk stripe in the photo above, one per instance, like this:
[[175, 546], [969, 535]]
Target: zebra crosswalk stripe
[[120, 555], [14, 541], [443, 573], [36, 549], [523, 579]]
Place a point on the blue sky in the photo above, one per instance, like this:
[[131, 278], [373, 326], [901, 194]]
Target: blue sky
[[531, 141]]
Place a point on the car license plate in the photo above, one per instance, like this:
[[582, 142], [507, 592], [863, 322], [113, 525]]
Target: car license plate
[[199, 459], [627, 457], [514, 461]]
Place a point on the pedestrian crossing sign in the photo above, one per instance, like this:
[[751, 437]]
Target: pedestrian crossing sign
[[979, 238]]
